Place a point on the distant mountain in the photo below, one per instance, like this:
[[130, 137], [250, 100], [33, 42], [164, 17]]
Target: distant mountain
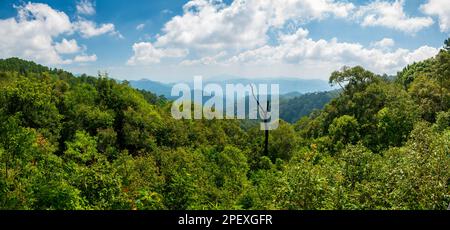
[[298, 97], [291, 95], [157, 88], [294, 108], [286, 85], [293, 87]]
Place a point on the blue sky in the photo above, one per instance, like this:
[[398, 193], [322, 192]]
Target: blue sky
[[174, 40]]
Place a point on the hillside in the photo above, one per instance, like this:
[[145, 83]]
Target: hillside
[[157, 88], [287, 86], [293, 105], [292, 108], [70, 143]]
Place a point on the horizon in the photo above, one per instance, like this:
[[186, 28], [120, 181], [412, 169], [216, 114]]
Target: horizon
[[234, 108], [221, 79], [172, 41]]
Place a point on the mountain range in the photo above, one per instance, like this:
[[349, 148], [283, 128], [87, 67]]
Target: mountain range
[[288, 86], [298, 97]]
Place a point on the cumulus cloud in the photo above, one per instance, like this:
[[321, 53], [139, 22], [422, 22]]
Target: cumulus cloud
[[37, 33], [255, 34], [67, 46], [85, 58], [208, 60], [30, 35], [210, 26], [391, 15], [383, 43], [213, 26], [90, 29], [85, 7], [440, 8], [146, 53], [297, 48]]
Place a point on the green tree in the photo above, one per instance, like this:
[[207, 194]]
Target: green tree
[[354, 78], [17, 148], [282, 142], [447, 44], [443, 77], [442, 121], [426, 94], [344, 130]]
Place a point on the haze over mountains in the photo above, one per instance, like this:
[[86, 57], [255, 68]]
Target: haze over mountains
[[298, 97], [291, 86]]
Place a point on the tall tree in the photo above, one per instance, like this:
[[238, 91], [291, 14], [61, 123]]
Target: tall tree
[[443, 73], [351, 78], [447, 44]]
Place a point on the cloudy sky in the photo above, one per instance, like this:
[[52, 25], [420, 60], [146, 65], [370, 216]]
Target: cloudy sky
[[173, 40]]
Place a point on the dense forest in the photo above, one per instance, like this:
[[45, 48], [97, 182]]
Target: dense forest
[[85, 142], [292, 109]]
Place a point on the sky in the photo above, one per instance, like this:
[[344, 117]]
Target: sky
[[174, 40]]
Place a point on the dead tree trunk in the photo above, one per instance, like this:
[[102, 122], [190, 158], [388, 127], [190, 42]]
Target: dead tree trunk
[[266, 136]]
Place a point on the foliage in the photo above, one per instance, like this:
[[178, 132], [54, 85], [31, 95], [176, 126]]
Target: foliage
[[292, 109], [79, 143]]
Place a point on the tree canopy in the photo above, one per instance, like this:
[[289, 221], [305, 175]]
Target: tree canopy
[[70, 143]]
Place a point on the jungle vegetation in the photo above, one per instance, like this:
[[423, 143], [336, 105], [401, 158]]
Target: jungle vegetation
[[83, 142]]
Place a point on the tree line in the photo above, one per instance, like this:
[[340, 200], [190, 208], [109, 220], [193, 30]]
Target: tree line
[[85, 142]]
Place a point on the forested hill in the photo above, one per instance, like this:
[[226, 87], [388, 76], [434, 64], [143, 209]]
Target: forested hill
[[92, 143], [292, 109], [293, 106]]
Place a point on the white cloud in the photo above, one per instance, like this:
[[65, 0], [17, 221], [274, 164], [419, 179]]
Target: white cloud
[[440, 8], [140, 26], [291, 38], [297, 49], [208, 60], [31, 34], [90, 29], [67, 46], [85, 7], [146, 53], [211, 26], [391, 15], [85, 58], [421, 54], [383, 43], [240, 37]]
